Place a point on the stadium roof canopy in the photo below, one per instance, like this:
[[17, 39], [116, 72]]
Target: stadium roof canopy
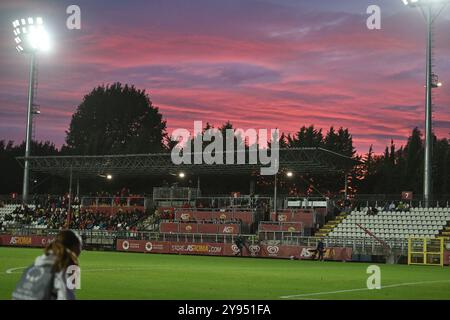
[[298, 160]]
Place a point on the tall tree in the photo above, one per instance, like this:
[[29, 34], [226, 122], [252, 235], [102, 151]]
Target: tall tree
[[12, 172], [306, 137], [116, 119]]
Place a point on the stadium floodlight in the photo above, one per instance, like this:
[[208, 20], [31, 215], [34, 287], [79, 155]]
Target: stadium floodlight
[[431, 9], [416, 3], [109, 176], [289, 174], [181, 175], [30, 37]]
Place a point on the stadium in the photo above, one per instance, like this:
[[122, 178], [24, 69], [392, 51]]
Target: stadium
[[331, 223]]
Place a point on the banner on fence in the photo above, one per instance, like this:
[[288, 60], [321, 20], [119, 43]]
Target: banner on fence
[[24, 241], [228, 249]]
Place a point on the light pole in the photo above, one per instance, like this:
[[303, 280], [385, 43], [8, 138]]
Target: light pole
[[289, 174], [431, 10], [30, 37]]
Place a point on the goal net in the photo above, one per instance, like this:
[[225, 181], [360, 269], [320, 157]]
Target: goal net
[[426, 251]]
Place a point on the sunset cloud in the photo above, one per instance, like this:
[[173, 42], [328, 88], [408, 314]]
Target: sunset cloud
[[257, 63]]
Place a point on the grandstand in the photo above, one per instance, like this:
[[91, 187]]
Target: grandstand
[[182, 220], [8, 217], [290, 230], [418, 222]]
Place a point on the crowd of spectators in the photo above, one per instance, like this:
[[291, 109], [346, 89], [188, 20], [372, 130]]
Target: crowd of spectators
[[57, 218]]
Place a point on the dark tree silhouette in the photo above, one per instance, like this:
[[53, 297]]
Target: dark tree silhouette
[[116, 119]]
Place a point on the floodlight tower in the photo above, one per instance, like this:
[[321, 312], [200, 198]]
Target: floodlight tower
[[30, 37], [431, 9]]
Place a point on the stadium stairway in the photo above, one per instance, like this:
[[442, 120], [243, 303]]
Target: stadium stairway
[[330, 225]]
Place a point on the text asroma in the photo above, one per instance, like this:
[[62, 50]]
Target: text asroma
[[214, 152]]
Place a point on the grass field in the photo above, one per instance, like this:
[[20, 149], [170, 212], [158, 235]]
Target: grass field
[[113, 275]]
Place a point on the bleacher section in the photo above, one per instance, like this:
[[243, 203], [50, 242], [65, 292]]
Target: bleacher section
[[246, 216], [287, 223], [418, 222], [200, 227], [305, 216], [205, 221], [7, 210]]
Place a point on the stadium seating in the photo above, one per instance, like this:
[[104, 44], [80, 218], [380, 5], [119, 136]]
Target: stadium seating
[[56, 218], [418, 222], [7, 210]]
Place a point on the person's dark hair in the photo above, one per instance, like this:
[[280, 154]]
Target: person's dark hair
[[66, 247]]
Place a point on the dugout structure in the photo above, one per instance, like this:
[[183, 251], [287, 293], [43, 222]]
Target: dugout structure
[[426, 251]]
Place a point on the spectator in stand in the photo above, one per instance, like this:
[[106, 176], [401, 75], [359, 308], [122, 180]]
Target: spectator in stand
[[58, 218], [347, 205], [372, 211], [392, 206], [117, 200], [401, 206]]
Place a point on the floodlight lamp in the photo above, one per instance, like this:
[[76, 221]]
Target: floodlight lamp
[[109, 177], [414, 3], [181, 175], [30, 35], [289, 174]]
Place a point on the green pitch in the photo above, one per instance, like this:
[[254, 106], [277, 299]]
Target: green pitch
[[114, 275]]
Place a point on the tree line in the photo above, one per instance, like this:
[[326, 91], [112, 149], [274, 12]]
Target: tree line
[[120, 119]]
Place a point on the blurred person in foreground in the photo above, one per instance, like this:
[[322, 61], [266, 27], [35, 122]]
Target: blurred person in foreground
[[47, 279]]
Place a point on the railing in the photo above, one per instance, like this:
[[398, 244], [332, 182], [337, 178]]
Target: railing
[[175, 193], [216, 203], [281, 236], [380, 200], [185, 195], [231, 210], [305, 202], [108, 239], [94, 236], [358, 245], [130, 201]]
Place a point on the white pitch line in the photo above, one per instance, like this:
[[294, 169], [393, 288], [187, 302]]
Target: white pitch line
[[149, 268], [9, 271], [361, 289]]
